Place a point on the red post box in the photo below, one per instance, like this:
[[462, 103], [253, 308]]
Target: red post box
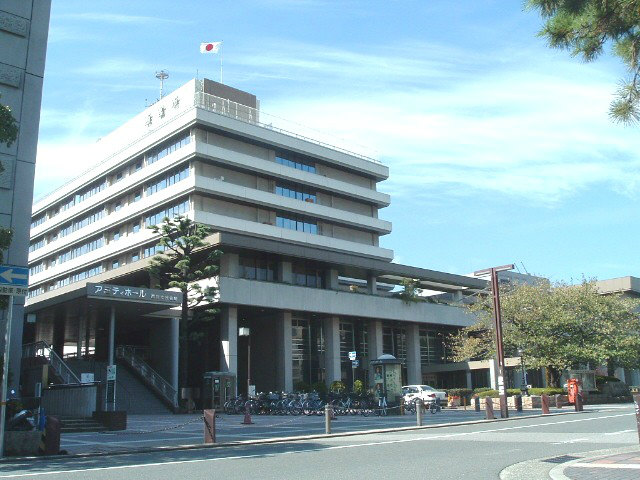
[[573, 389]]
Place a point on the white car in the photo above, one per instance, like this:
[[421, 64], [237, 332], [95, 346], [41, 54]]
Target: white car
[[412, 392]]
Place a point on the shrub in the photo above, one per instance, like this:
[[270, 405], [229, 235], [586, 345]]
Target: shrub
[[338, 386], [481, 389], [487, 393], [301, 387], [546, 391], [460, 392], [513, 391], [358, 387], [319, 387], [605, 378]]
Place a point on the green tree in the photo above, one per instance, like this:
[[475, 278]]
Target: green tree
[[585, 27], [557, 326], [184, 262], [410, 290]]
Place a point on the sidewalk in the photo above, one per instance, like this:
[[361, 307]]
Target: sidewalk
[[621, 466]]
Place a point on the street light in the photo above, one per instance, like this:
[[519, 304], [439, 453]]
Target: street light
[[523, 386], [245, 332]]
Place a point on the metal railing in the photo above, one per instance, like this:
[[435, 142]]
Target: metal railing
[[251, 115], [127, 353], [43, 349]]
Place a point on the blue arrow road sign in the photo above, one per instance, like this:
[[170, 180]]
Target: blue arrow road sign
[[10, 275]]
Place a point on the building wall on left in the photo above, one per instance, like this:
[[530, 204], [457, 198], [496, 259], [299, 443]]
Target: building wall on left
[[24, 28]]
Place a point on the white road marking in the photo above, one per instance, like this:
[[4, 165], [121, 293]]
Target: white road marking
[[634, 466], [621, 431], [573, 440], [337, 447]]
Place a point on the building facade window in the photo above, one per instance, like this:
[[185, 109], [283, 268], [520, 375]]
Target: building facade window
[[39, 220], [299, 192], [307, 275], [296, 163], [258, 268], [168, 180], [169, 212], [167, 148], [33, 246], [151, 250], [297, 222], [37, 268], [91, 191], [76, 225], [307, 349]]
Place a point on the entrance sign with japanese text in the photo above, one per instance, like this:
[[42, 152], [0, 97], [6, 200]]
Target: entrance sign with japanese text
[[132, 294]]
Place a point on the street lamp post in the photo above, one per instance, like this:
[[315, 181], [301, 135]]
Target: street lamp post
[[497, 322], [245, 332]]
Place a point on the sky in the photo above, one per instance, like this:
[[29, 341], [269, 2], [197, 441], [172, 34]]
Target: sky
[[500, 149]]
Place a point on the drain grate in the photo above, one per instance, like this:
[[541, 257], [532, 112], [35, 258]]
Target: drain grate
[[561, 459]]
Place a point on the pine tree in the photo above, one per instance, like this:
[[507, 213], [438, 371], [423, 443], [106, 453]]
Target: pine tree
[[183, 263]]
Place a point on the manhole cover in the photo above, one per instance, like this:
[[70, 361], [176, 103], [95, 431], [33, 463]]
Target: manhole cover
[[561, 459]]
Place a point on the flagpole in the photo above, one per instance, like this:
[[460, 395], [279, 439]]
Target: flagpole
[[221, 53]]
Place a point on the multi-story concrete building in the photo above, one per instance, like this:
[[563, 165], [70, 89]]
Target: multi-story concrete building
[[24, 27], [297, 221]]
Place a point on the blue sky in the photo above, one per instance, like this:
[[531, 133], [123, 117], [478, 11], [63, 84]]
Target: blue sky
[[500, 150]]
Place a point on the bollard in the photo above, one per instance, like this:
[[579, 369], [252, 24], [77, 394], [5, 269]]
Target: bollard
[[50, 439], [328, 411], [545, 404], [401, 408], [476, 403], [578, 403], [419, 413], [558, 401], [636, 402], [517, 400], [209, 418], [247, 415], [488, 405]]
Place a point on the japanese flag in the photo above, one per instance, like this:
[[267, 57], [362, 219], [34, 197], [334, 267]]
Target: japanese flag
[[210, 47]]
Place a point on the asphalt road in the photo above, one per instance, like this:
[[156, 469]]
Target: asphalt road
[[478, 451], [144, 431]]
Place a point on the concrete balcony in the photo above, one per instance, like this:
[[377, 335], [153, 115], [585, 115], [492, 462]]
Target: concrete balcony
[[281, 296]]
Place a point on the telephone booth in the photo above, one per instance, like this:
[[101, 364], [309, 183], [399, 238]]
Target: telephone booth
[[218, 387]]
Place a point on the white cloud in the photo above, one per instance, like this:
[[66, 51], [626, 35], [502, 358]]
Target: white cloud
[[115, 18]]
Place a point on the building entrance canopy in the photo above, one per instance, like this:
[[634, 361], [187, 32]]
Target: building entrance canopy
[[131, 299]]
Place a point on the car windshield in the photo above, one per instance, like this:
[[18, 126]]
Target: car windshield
[[406, 390], [426, 387]]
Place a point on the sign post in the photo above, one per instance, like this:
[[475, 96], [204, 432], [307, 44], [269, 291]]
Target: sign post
[[13, 281], [111, 387]]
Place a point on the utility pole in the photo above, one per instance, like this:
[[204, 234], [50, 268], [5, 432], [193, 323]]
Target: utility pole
[[497, 324]]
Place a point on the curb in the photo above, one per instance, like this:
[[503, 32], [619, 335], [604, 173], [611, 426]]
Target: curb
[[557, 472], [267, 441]]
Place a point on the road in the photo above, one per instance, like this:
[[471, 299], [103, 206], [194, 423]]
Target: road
[[478, 451]]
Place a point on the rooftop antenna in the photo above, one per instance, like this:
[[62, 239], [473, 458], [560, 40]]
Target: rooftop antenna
[[162, 76], [524, 268]]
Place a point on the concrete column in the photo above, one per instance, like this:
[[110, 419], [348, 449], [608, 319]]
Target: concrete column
[[112, 335], [493, 373], [285, 274], [229, 339], [331, 330], [457, 296], [284, 366], [174, 351], [331, 279], [80, 333], [374, 342], [230, 265], [469, 381], [620, 374], [372, 285], [414, 367]]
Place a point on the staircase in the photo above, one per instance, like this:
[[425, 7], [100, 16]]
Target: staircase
[[75, 425], [43, 350], [153, 380], [132, 395]]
